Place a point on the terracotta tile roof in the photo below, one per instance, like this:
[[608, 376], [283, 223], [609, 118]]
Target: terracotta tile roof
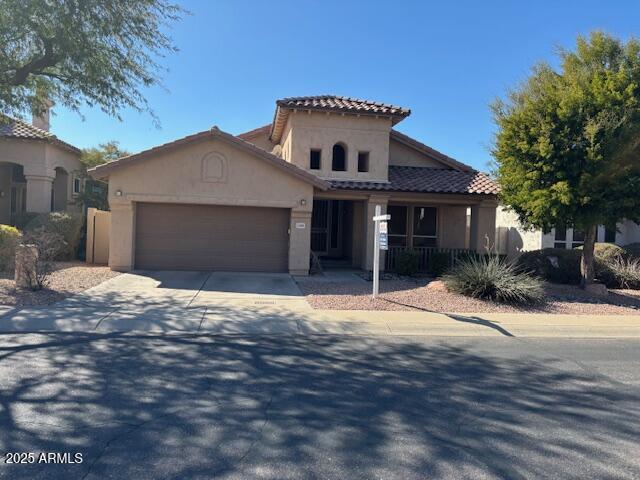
[[332, 103], [342, 104], [13, 128], [425, 180]]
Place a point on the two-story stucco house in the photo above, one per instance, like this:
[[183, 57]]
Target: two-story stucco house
[[308, 181], [38, 171]]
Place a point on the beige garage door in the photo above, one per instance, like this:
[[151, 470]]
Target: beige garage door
[[205, 237]]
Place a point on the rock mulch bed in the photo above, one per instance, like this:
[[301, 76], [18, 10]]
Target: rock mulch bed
[[432, 295], [68, 278]]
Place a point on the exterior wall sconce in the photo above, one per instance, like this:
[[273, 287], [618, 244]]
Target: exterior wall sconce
[[303, 202], [2, 194], [118, 193]]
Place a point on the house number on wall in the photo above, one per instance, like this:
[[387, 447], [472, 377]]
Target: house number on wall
[[300, 225]]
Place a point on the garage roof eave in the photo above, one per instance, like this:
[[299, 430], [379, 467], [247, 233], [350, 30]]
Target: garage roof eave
[[103, 171]]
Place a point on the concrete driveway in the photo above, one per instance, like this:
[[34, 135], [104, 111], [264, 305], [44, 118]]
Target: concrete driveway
[[163, 301]]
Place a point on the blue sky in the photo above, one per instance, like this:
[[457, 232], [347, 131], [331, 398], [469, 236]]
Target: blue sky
[[446, 61]]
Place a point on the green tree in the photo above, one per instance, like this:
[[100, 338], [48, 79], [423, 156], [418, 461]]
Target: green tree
[[95, 192], [74, 52], [568, 141], [103, 153]]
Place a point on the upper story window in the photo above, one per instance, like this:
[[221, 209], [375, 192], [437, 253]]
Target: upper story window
[[339, 160], [363, 161], [314, 159]]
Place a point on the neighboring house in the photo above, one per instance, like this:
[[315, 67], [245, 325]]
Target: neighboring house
[[512, 238], [38, 171], [309, 181]]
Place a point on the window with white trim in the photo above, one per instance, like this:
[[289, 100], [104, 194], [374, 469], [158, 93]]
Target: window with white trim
[[560, 237]]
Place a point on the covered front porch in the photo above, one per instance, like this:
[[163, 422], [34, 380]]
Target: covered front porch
[[342, 228], [21, 192]]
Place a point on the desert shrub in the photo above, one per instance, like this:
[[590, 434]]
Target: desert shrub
[[407, 262], [605, 251], [9, 238], [620, 272], [68, 225], [493, 278], [440, 263], [632, 250], [557, 265], [49, 246]]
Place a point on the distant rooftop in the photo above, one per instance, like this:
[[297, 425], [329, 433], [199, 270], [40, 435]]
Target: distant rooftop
[[13, 128]]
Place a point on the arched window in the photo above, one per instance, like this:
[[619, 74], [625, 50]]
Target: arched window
[[339, 162]]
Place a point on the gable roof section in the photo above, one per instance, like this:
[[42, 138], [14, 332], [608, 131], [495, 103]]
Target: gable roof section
[[429, 152], [426, 180], [14, 128], [103, 171], [264, 130], [332, 103]]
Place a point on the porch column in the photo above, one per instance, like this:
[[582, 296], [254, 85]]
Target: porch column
[[483, 227], [369, 212], [122, 237], [299, 242], [39, 188]]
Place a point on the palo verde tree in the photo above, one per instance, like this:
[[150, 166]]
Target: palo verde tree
[[73, 52], [567, 147]]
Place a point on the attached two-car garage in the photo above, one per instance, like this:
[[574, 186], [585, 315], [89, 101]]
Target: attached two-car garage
[[211, 237], [209, 201]]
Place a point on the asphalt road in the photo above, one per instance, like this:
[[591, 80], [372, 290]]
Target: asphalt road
[[316, 407]]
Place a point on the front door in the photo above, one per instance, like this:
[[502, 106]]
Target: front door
[[320, 227], [326, 228]]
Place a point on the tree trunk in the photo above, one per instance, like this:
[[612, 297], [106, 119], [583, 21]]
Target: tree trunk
[[587, 269]]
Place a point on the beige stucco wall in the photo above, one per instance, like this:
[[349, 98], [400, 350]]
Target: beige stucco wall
[[208, 172], [452, 223], [98, 226], [261, 140], [40, 159], [400, 154], [483, 227], [322, 131], [511, 238]]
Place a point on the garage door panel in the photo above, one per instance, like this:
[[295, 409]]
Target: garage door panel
[[207, 237]]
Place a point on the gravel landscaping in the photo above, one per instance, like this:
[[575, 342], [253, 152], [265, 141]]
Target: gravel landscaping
[[349, 292], [67, 279]]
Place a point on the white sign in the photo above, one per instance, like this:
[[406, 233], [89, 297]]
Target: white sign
[[380, 242], [301, 225], [384, 243]]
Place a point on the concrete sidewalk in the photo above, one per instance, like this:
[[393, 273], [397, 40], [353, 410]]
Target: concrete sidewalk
[[465, 324], [233, 317]]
